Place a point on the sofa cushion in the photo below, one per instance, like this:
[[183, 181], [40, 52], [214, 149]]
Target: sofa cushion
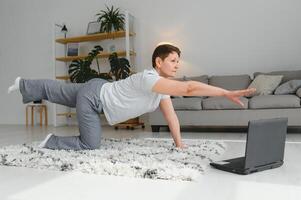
[[265, 84], [216, 103], [274, 101], [187, 103], [298, 92], [287, 75], [178, 79], [235, 82], [289, 87], [202, 78], [176, 97]]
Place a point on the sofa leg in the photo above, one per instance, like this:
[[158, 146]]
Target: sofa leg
[[155, 128]]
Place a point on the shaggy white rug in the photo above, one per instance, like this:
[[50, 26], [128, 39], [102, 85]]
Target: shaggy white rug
[[144, 158]]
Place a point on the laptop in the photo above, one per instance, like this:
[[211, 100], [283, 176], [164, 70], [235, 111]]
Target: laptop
[[264, 148]]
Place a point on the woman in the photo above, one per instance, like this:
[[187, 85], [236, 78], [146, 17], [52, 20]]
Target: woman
[[120, 100]]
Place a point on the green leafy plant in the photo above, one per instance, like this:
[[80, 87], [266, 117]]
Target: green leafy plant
[[120, 67], [110, 20], [80, 70]]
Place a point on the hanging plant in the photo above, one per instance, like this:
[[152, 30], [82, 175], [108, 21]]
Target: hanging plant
[[110, 20]]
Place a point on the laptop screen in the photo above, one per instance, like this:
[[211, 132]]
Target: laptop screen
[[265, 141]]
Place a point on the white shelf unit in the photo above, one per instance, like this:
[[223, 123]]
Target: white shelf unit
[[124, 46]]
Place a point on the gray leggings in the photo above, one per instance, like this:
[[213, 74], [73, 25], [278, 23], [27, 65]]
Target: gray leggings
[[84, 96]]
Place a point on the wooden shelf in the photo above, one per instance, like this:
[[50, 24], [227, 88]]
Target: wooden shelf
[[94, 37], [101, 55], [65, 78], [124, 37], [67, 114]]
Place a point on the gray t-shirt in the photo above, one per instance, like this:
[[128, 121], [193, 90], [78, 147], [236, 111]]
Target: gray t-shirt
[[130, 97]]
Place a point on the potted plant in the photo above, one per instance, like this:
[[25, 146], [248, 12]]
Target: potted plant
[[120, 67], [80, 70], [110, 20]]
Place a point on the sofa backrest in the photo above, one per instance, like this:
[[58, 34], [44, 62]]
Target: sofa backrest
[[202, 78], [287, 75], [233, 82]]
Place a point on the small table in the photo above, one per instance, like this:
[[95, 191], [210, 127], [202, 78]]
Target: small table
[[42, 108]]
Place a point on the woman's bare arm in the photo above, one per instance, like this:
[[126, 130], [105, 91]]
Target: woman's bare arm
[[195, 88], [170, 116]]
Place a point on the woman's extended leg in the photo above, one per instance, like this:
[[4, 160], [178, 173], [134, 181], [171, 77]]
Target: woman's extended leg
[[88, 107], [51, 90]]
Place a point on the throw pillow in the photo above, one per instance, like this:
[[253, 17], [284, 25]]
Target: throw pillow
[[287, 75], [265, 84], [289, 87]]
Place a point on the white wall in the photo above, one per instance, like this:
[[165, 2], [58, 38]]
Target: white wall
[[216, 37]]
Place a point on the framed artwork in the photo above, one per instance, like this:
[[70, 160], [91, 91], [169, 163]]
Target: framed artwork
[[72, 49], [93, 27]]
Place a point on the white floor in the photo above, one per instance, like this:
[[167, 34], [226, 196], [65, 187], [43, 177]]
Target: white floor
[[31, 184]]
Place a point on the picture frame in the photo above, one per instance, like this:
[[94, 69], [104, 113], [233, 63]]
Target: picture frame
[[93, 27], [72, 49]]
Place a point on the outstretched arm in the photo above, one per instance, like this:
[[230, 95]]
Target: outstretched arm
[[172, 120], [195, 88]]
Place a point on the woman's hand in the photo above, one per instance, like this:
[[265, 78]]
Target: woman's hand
[[234, 95]]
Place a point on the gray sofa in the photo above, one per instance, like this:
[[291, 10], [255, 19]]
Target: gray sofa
[[220, 112]]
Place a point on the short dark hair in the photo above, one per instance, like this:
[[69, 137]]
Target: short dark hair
[[162, 51]]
